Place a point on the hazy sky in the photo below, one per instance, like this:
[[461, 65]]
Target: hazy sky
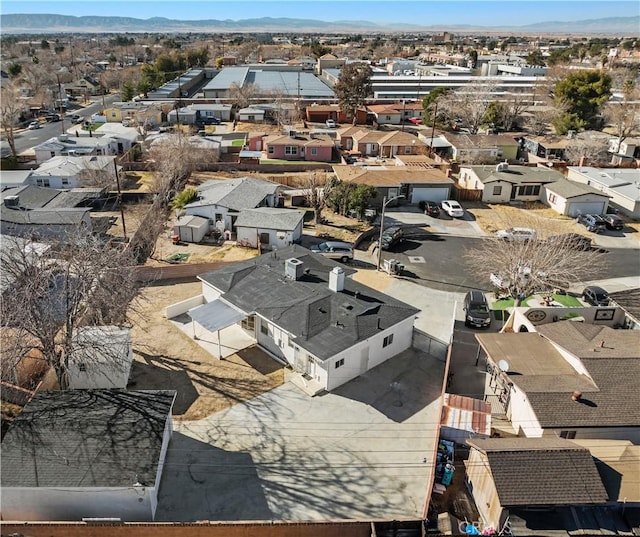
[[424, 12]]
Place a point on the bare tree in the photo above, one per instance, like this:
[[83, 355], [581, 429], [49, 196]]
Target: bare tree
[[316, 189], [513, 106], [522, 268], [50, 295], [470, 104], [10, 109], [243, 95], [624, 115], [591, 151]]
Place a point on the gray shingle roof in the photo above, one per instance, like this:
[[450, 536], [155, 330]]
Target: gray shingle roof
[[322, 321], [235, 194], [570, 189], [516, 174], [542, 471], [86, 438], [270, 218], [629, 301]]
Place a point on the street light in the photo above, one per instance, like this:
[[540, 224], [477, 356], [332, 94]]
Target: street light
[[385, 202]]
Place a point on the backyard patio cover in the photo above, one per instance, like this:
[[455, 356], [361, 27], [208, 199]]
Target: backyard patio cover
[[215, 315]]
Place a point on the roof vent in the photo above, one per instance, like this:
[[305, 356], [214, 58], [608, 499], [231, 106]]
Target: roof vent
[[336, 279], [12, 202], [502, 166], [576, 395]]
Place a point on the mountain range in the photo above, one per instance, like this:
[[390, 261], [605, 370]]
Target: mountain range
[[51, 23]]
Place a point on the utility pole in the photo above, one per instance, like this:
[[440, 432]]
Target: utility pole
[[60, 101], [433, 127], [124, 227]]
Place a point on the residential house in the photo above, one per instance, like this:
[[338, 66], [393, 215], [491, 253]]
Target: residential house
[[504, 182], [571, 199], [482, 148], [372, 143], [545, 148], [221, 201], [87, 85], [75, 172], [251, 114], [139, 112], [300, 147], [100, 358], [320, 113], [270, 227], [45, 212], [386, 114], [125, 137], [568, 379], [255, 141], [622, 185], [199, 113], [66, 144], [626, 150], [86, 454], [415, 184], [304, 310], [511, 477]]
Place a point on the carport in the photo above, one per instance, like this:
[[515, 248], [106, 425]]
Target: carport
[[215, 316]]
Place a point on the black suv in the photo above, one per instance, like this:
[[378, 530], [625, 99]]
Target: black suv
[[596, 296], [593, 222], [476, 310], [430, 208], [613, 222], [392, 236]]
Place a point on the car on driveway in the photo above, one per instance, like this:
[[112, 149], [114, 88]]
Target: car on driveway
[[342, 251], [330, 123], [593, 222], [517, 234], [430, 208], [596, 296], [572, 241], [476, 310], [415, 120], [613, 222], [452, 208], [34, 125]]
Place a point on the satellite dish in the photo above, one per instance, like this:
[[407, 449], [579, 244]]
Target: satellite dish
[[503, 365]]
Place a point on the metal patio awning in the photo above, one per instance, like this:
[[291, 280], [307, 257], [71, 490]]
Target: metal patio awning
[[215, 315]]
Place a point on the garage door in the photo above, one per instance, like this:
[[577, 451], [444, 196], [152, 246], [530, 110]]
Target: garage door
[[431, 194], [587, 207]]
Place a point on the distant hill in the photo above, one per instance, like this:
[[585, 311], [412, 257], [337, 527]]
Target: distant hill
[[51, 23]]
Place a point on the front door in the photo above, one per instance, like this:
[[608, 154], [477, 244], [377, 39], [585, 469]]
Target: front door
[[364, 360], [514, 191], [311, 366]]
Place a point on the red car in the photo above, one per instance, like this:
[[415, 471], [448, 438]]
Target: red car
[[415, 120]]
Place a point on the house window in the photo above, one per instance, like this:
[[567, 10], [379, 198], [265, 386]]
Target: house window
[[291, 150], [43, 182], [387, 340], [408, 150], [497, 190], [65, 181], [53, 154], [82, 367], [552, 198], [249, 323], [339, 363], [271, 150], [314, 151], [529, 190], [264, 329], [569, 435], [290, 343]]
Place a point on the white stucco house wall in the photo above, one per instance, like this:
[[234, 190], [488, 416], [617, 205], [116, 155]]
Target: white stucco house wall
[[79, 454], [66, 144], [101, 358], [75, 171], [305, 311], [622, 185], [271, 227]]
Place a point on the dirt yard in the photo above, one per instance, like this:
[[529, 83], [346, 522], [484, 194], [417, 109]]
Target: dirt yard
[[166, 358]]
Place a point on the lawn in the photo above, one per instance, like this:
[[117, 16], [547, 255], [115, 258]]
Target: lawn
[[566, 300]]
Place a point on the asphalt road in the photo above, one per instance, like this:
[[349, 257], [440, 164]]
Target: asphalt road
[[436, 261], [27, 139]]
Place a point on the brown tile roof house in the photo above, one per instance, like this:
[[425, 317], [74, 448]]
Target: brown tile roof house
[[548, 366], [541, 471], [390, 176]]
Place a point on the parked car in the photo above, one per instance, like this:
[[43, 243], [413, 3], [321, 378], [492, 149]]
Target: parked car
[[76, 118], [343, 251], [613, 222], [593, 222], [452, 208], [34, 125], [430, 208], [573, 241], [52, 118], [476, 310], [415, 120], [392, 236], [331, 124], [596, 296], [517, 234]]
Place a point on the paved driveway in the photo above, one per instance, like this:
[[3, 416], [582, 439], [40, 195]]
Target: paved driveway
[[363, 451]]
